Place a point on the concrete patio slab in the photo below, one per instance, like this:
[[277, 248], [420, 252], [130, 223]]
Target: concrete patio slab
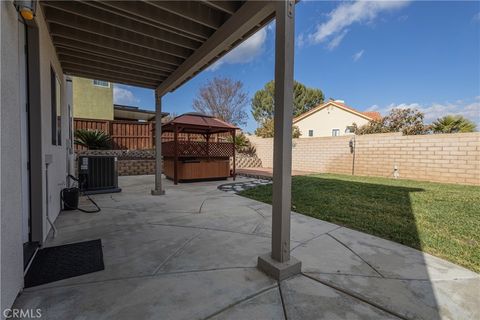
[[307, 299], [134, 251], [397, 261], [265, 306], [303, 228], [326, 255], [217, 250], [236, 219], [457, 299], [192, 254], [174, 296]]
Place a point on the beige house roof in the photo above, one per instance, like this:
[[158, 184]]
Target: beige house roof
[[368, 115]]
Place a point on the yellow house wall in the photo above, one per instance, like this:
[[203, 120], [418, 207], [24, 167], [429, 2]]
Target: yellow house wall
[[325, 120], [90, 101]]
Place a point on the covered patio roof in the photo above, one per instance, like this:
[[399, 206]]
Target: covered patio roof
[[152, 44], [161, 45]]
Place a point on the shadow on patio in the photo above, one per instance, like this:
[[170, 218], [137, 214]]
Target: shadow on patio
[[192, 254]]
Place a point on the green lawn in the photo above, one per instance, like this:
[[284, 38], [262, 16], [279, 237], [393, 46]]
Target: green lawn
[[441, 219]]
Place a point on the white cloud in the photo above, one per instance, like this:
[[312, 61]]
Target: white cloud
[[336, 40], [300, 40], [358, 55], [122, 95], [347, 14], [469, 108], [246, 51]]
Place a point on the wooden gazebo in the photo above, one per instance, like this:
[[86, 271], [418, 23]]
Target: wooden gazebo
[[198, 147]]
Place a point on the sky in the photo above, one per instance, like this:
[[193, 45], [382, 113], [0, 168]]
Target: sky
[[375, 55]]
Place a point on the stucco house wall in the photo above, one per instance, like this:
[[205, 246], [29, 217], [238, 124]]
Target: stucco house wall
[[11, 281], [57, 170], [322, 122], [11, 261], [90, 101]]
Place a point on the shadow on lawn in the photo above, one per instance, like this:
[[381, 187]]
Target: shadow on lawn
[[404, 285]]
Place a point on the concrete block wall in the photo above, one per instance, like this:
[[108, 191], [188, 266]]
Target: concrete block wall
[[135, 167], [451, 158], [140, 162], [244, 161]]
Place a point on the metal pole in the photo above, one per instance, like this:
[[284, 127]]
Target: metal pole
[[354, 148], [158, 146]]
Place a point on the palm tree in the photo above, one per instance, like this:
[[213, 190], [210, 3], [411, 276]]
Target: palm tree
[[93, 139], [453, 124]]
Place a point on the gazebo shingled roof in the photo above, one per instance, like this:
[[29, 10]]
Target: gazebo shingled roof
[[198, 123]]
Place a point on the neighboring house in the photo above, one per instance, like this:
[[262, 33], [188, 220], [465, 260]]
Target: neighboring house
[[333, 118], [93, 99], [129, 113]]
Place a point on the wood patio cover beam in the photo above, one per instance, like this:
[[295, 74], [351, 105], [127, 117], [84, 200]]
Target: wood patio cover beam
[[162, 17], [226, 6], [98, 14], [113, 44], [250, 15], [102, 51], [86, 58], [69, 20]]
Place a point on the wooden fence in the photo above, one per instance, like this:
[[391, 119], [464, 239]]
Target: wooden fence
[[127, 135]]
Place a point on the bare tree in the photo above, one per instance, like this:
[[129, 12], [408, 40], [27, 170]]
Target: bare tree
[[223, 98]]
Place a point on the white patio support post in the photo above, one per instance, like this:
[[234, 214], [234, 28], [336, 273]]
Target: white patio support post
[[278, 264], [158, 146]]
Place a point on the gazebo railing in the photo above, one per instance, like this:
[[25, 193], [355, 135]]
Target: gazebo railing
[[197, 149]]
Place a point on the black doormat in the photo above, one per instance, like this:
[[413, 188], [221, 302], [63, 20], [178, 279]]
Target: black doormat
[[67, 261]]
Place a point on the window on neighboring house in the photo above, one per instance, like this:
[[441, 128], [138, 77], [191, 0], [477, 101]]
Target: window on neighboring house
[[335, 132], [310, 133], [56, 110], [101, 83]]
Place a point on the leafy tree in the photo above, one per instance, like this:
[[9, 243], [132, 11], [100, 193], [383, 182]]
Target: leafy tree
[[408, 121], [304, 99], [243, 144], [266, 130], [223, 98], [93, 139], [169, 117], [374, 126], [453, 124]]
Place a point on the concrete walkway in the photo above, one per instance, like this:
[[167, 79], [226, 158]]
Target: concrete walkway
[[192, 253]]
